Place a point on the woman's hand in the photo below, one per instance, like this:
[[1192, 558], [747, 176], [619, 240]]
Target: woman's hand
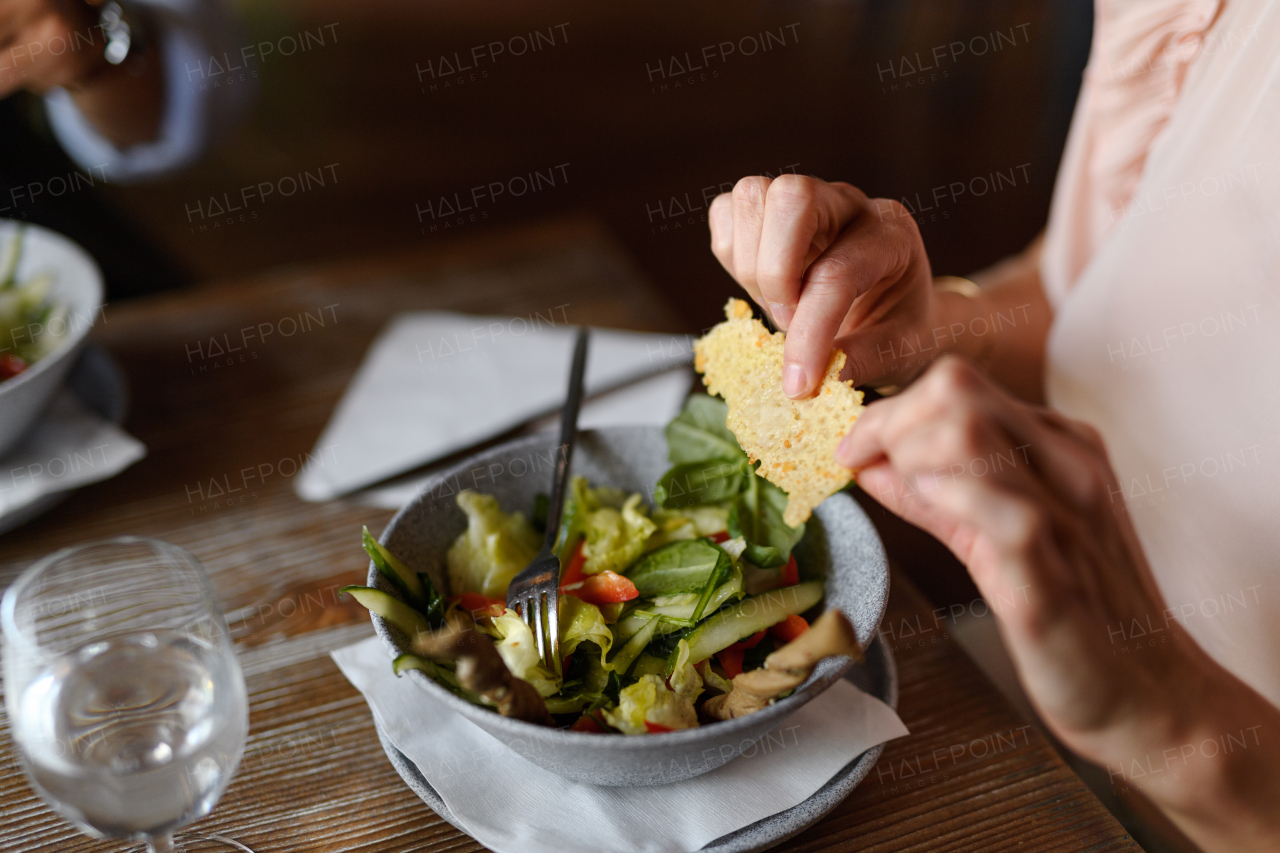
[[831, 267], [1027, 500]]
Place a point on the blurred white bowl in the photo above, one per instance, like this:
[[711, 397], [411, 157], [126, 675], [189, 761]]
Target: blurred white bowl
[[77, 282]]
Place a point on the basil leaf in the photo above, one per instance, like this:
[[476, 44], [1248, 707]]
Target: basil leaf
[[572, 519], [699, 433], [722, 572], [757, 517], [712, 481], [683, 566], [664, 645]]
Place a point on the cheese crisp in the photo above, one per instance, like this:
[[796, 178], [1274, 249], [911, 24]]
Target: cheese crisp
[[795, 440]]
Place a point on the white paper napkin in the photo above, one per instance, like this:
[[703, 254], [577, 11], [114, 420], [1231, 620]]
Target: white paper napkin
[[71, 446], [435, 383], [653, 402], [510, 804]]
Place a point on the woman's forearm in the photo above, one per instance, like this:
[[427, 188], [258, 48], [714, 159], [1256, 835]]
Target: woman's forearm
[[1005, 329], [1223, 787]]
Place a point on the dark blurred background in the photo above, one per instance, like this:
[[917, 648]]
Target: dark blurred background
[[638, 111], [822, 102]]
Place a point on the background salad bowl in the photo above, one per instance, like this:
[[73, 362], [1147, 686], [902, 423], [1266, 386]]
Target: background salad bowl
[[76, 285], [840, 544]]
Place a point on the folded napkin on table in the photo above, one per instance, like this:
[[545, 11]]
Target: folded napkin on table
[[435, 383], [70, 446], [510, 804], [650, 402]]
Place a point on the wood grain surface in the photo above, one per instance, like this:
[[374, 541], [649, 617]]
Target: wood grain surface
[[972, 775]]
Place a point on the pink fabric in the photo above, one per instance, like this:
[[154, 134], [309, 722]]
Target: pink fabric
[[1166, 330], [1139, 60]]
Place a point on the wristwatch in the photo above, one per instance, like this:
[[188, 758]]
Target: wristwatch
[[123, 29]]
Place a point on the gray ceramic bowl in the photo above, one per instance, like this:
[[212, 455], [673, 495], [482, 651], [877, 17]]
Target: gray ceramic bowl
[[78, 283], [839, 543]]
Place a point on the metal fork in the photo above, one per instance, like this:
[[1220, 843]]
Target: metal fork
[[538, 584]]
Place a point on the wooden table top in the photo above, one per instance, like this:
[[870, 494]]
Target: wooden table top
[[971, 776]]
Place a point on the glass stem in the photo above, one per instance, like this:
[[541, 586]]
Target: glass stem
[[161, 844]]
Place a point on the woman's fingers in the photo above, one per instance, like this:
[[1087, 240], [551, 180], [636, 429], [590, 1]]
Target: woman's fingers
[[802, 217], [879, 258], [748, 200], [806, 251], [720, 219]]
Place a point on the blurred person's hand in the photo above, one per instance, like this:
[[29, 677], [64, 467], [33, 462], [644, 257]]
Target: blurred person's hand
[[47, 44], [1028, 501]]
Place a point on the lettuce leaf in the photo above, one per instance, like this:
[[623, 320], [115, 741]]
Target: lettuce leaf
[[615, 526], [687, 523], [684, 678], [713, 679], [699, 432], [650, 700], [756, 515], [493, 549], [519, 652], [581, 622], [615, 539]]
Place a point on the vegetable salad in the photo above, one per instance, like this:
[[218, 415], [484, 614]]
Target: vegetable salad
[[661, 605], [27, 314]]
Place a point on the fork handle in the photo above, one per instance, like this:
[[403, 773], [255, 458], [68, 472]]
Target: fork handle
[[568, 433]]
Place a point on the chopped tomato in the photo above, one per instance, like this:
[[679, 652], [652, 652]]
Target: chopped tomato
[[731, 661], [722, 536], [790, 573], [731, 658], [790, 628], [573, 572], [657, 728], [587, 723], [10, 366], [480, 605], [605, 588]]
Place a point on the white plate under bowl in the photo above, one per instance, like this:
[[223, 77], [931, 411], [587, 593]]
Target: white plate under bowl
[[97, 381], [875, 674]]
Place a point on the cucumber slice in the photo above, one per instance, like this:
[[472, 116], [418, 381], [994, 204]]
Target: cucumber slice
[[391, 567], [751, 614], [409, 661], [396, 612], [678, 609], [648, 664], [573, 704], [628, 625], [437, 673], [685, 609], [677, 600], [627, 654], [731, 588]]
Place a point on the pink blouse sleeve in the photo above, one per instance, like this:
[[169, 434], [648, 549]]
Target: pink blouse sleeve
[[1139, 60]]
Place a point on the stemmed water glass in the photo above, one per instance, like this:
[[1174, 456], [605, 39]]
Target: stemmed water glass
[[124, 695]]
